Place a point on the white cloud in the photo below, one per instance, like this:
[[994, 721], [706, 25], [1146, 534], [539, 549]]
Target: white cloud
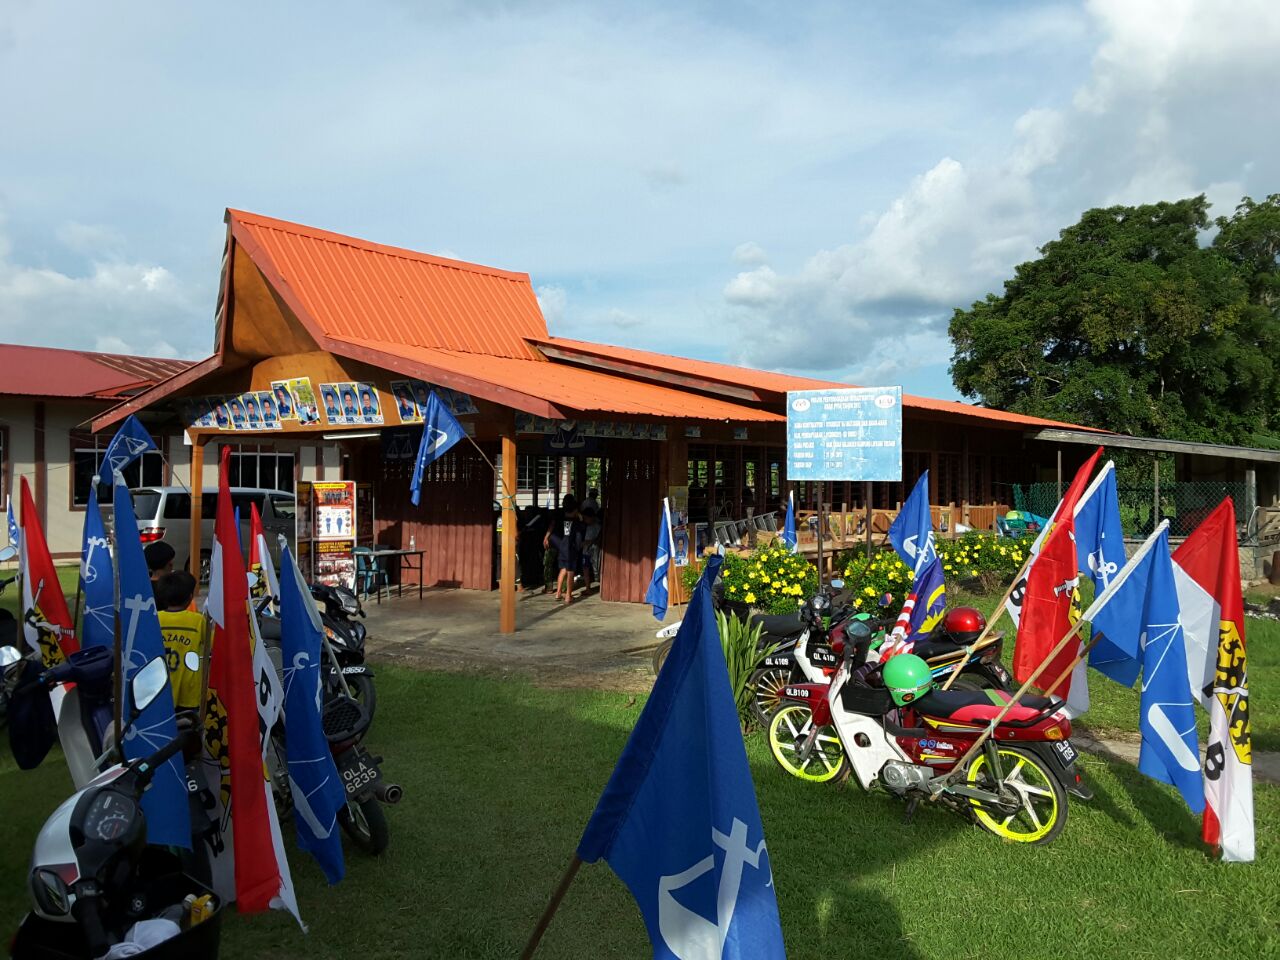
[[1140, 128], [114, 305], [749, 254], [552, 300]]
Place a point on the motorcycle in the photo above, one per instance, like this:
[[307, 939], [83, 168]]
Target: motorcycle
[[341, 613], [346, 718], [94, 881], [1016, 787], [8, 627]]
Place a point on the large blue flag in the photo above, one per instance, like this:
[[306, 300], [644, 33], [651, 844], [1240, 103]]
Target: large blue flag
[[165, 803], [658, 595], [789, 538], [911, 532], [678, 821], [440, 431], [1140, 623], [130, 442], [15, 532], [318, 793], [1098, 532], [96, 579]]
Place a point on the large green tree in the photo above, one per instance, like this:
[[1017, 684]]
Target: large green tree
[[1131, 322]]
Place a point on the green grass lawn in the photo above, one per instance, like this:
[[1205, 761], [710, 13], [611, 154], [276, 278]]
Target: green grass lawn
[[500, 778]]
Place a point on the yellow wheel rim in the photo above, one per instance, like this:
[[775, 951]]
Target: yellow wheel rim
[[1024, 775], [789, 729]]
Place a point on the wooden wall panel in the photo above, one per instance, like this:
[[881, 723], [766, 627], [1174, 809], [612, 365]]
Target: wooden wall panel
[[632, 503]]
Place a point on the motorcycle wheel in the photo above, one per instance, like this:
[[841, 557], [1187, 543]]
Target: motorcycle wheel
[[1043, 813], [660, 655], [790, 725], [363, 691], [365, 823], [766, 692]]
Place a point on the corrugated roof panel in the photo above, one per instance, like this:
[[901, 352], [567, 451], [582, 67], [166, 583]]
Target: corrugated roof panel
[[576, 388], [54, 372], [782, 382], [357, 290]]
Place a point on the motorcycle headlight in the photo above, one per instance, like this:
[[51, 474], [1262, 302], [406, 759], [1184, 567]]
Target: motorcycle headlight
[[50, 893]]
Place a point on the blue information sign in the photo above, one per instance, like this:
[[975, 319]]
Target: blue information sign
[[851, 434]]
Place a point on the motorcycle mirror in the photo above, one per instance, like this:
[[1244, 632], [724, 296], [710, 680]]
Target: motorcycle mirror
[[837, 584], [9, 656], [8, 553], [148, 683], [857, 630], [886, 600], [192, 661]]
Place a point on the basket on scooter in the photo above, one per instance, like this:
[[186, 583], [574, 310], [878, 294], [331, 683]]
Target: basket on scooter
[[344, 718], [866, 700]]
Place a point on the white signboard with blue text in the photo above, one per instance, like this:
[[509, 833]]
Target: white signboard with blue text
[[848, 434]]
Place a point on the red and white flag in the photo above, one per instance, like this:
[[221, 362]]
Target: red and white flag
[[237, 668], [1206, 568], [260, 557], [46, 621], [1050, 593]]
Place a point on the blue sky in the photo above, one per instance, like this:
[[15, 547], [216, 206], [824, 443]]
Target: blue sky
[[803, 187]]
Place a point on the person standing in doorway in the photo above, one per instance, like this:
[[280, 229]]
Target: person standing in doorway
[[590, 563], [592, 502], [565, 536]]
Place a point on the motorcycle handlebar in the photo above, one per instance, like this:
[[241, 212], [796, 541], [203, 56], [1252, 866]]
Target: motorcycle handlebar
[[146, 769]]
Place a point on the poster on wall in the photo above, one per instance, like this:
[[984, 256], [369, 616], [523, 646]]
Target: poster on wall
[[270, 414], [678, 496], [195, 412], [335, 510], [411, 400], [347, 403], [295, 400], [221, 413], [334, 563], [236, 406]]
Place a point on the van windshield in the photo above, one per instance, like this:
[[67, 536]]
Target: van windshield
[[177, 506], [145, 503]]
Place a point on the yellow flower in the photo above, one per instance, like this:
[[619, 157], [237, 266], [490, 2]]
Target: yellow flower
[[973, 573], [776, 584], [869, 591], [750, 597], [733, 588], [857, 601]]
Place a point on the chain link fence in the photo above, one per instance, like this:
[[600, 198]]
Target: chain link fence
[[1183, 504]]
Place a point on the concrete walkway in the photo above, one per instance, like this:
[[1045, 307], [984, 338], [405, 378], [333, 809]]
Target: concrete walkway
[[586, 643]]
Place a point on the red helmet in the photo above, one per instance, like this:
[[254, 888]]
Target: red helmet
[[964, 624]]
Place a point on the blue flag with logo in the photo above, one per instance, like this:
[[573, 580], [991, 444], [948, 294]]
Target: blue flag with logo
[[658, 595], [318, 793], [165, 802], [130, 442], [678, 820], [1099, 535], [789, 538], [1140, 623], [928, 599], [15, 533], [440, 431], [911, 532], [97, 582]]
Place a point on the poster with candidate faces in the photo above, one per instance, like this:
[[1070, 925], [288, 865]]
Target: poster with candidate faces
[[347, 403], [196, 412], [411, 400], [295, 400]]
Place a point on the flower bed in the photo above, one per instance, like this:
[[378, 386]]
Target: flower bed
[[772, 579]]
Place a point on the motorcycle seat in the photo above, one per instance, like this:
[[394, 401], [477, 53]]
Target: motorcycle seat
[[780, 625], [977, 707]]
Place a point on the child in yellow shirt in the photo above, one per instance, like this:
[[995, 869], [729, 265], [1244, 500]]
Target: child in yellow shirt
[[185, 632]]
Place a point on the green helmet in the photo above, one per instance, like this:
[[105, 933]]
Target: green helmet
[[907, 678]]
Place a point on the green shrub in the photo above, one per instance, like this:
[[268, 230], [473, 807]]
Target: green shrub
[[740, 642], [981, 559], [772, 579]]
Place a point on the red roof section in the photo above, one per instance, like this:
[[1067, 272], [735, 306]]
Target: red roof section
[[575, 389], [356, 290], [55, 372], [780, 382]]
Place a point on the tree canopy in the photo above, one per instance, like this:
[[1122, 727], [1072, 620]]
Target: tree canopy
[[1130, 321]]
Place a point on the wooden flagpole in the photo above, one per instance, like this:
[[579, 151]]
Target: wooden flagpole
[[1084, 652], [552, 906]]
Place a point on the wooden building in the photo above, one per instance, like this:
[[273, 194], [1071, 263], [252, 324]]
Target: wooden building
[[361, 323]]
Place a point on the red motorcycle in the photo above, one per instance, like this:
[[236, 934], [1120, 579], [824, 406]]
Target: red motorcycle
[[889, 725]]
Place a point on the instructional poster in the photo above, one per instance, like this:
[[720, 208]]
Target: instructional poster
[[335, 510]]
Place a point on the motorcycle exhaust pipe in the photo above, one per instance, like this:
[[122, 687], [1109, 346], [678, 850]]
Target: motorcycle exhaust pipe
[[388, 792]]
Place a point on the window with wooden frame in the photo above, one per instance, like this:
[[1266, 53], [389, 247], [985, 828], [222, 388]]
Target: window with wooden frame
[[87, 451]]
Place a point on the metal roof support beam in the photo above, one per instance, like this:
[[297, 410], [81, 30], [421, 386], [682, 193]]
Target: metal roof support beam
[[1152, 445]]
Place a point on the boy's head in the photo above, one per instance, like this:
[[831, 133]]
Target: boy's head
[[175, 590], [159, 558], [593, 494]]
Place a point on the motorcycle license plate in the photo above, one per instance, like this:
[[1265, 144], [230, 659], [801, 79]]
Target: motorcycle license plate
[[354, 670], [1066, 752], [358, 771]]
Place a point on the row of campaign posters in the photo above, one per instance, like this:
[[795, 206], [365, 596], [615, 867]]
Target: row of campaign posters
[[342, 403]]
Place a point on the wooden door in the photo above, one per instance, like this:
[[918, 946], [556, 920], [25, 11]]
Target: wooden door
[[632, 507]]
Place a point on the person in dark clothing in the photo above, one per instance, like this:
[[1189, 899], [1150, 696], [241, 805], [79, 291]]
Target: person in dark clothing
[[159, 557], [565, 537], [531, 531]]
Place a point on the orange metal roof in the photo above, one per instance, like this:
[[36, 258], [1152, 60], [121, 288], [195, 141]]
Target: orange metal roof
[[357, 290], [779, 382], [568, 388]]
